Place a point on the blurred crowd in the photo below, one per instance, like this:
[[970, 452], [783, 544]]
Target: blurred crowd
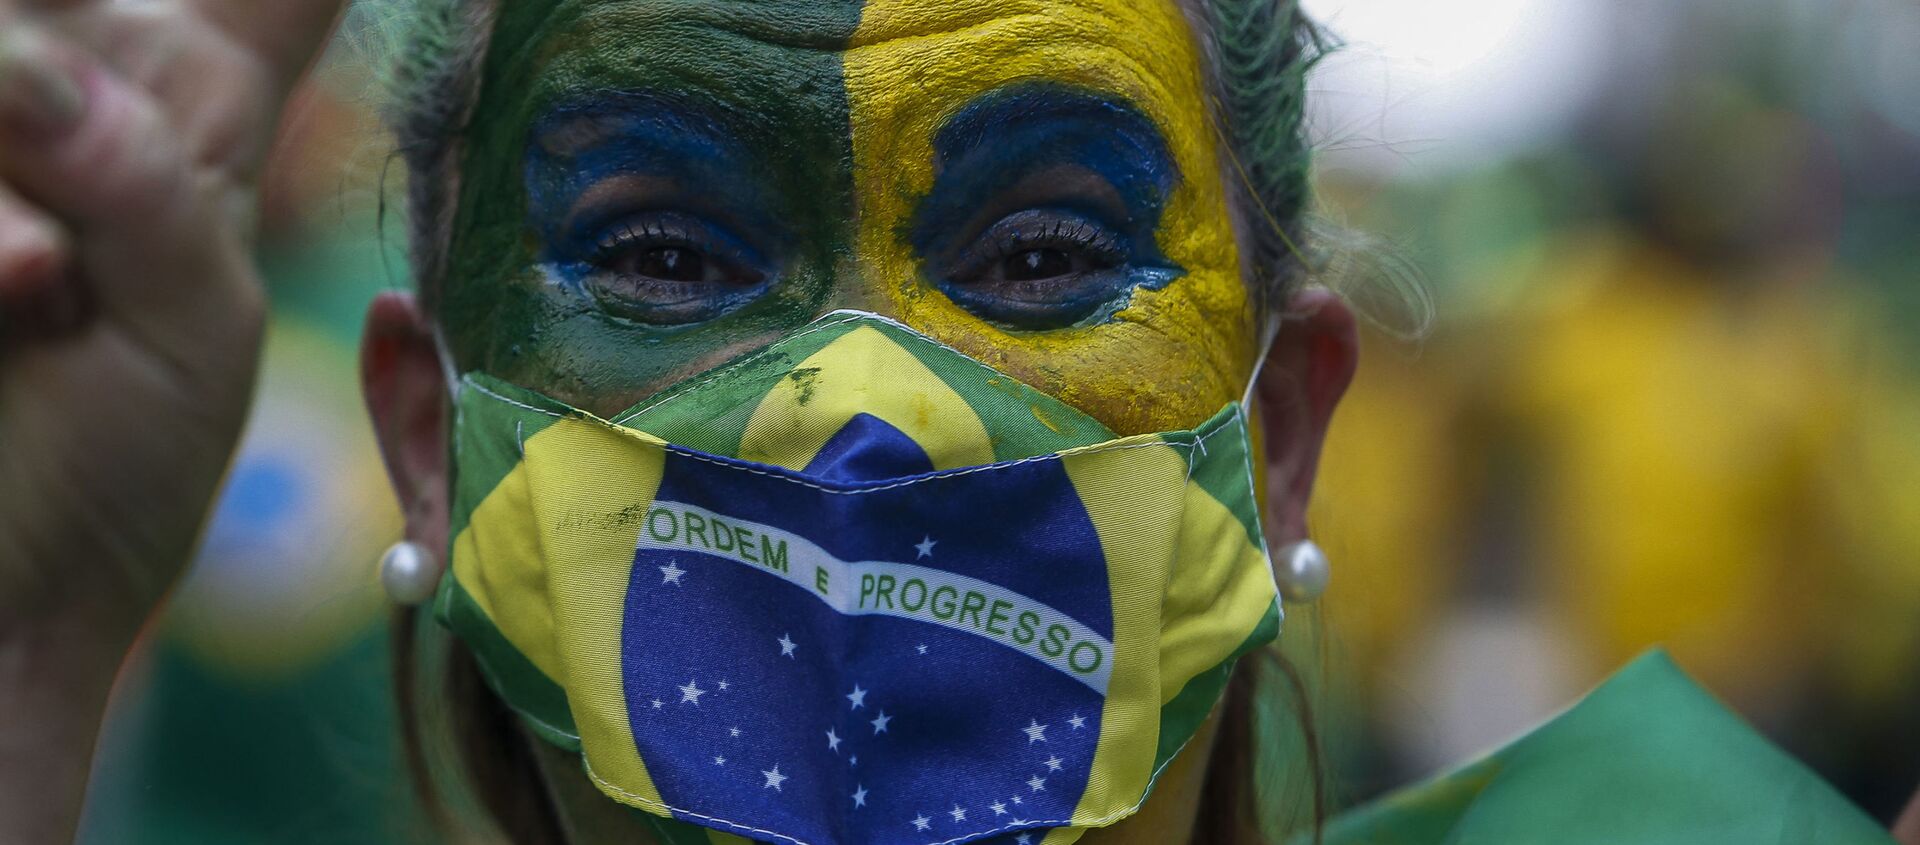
[[1668, 399]]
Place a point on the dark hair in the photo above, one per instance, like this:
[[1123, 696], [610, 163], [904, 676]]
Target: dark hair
[[1257, 53]]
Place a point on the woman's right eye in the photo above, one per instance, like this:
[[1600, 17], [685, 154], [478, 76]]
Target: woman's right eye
[[1038, 269], [671, 269], [673, 263]]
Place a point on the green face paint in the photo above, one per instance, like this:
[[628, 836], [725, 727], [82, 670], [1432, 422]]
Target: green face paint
[[652, 188], [766, 76], [825, 155]]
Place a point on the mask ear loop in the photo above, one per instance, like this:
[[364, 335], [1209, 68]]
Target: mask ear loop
[[1300, 570], [1268, 331], [447, 371], [455, 384]]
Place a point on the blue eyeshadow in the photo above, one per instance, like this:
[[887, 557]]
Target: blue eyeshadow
[[1005, 136], [689, 146]]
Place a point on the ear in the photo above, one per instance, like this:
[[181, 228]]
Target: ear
[[1309, 367], [406, 393]]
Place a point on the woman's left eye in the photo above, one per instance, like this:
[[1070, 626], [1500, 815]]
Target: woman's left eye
[[1032, 265], [674, 263], [671, 269], [1039, 269]]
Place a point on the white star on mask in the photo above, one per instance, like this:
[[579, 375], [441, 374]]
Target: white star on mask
[[774, 779], [1036, 732], [858, 697], [691, 693], [880, 724], [670, 574], [786, 646]]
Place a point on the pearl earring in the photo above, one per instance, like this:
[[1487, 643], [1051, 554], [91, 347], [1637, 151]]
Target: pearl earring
[[1302, 571], [409, 572]]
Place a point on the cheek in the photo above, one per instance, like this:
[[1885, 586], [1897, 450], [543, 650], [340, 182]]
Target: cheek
[[1168, 362], [1172, 357]]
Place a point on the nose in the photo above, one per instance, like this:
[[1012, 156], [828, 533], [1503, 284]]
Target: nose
[[865, 285]]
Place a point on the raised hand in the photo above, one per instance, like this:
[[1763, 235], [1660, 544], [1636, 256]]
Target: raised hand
[[131, 134]]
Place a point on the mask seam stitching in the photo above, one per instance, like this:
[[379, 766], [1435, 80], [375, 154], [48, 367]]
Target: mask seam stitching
[[729, 368], [770, 350], [1198, 441]]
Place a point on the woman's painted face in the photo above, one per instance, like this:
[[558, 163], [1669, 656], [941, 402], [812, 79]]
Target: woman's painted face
[[653, 187]]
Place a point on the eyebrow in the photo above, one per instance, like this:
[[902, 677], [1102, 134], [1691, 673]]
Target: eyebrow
[[578, 144], [985, 121], [1013, 130], [1005, 135], [633, 132], [575, 125]]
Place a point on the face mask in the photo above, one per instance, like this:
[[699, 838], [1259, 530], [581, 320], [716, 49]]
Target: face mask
[[856, 588]]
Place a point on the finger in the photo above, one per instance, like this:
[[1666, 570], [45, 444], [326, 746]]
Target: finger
[[39, 298], [33, 249], [96, 153], [211, 88], [283, 33]]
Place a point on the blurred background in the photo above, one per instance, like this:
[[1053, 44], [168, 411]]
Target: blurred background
[[1670, 399]]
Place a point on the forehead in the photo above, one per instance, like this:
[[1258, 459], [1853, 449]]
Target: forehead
[[789, 64]]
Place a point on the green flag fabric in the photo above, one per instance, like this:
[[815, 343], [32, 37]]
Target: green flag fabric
[[1648, 758]]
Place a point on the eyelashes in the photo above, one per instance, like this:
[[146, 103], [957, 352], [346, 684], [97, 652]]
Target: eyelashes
[[670, 268], [1037, 245], [1034, 269], [1043, 211], [1037, 269]]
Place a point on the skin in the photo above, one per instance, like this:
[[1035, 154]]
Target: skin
[[130, 135], [829, 158], [125, 295], [803, 145]]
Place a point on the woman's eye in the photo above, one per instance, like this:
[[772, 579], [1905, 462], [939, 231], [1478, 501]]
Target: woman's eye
[[1039, 269], [671, 264], [1034, 264], [671, 270]]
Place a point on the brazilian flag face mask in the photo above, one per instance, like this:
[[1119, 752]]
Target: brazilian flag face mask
[[856, 588]]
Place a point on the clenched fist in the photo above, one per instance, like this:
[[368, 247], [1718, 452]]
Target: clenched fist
[[131, 134]]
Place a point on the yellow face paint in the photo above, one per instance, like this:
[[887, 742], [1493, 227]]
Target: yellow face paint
[[1170, 357], [813, 163]]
